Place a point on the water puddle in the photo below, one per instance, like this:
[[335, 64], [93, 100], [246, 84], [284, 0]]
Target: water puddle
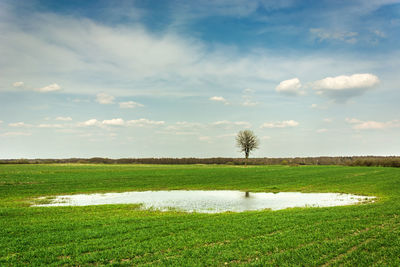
[[207, 201]]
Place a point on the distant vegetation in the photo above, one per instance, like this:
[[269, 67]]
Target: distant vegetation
[[392, 161]]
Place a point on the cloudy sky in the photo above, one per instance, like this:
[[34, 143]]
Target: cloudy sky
[[180, 78]]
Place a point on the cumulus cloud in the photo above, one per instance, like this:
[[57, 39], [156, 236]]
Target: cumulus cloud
[[18, 84], [184, 127], [120, 122], [205, 138], [42, 125], [144, 122], [114, 122], [230, 124], [104, 98], [219, 99], [352, 120], [91, 122], [19, 124], [321, 106], [63, 119], [290, 87], [343, 87], [368, 125], [49, 88], [130, 104], [249, 103], [228, 135], [15, 134], [344, 82], [280, 124], [45, 125]]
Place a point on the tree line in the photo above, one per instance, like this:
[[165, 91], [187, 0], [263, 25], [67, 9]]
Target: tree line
[[390, 161]]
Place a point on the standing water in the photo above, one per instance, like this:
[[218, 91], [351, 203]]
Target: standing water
[[210, 201]]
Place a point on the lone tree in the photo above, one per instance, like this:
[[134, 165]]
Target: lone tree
[[247, 141]]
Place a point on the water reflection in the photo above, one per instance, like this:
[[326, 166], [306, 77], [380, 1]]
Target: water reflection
[[210, 201]]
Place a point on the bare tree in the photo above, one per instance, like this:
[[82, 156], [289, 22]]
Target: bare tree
[[247, 141]]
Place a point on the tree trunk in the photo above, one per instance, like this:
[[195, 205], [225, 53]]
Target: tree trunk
[[247, 194]]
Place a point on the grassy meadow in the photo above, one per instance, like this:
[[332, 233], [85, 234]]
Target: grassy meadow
[[125, 235]]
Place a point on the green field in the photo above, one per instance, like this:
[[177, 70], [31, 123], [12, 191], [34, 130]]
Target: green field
[[125, 235]]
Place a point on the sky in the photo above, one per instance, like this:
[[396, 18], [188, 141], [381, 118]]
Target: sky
[[181, 78]]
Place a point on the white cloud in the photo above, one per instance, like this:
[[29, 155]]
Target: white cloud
[[328, 120], [114, 122], [219, 99], [379, 33], [243, 124], [368, 125], [290, 87], [324, 34], [343, 87], [63, 119], [321, 106], [234, 8], [126, 61], [205, 138], [120, 122], [372, 125], [16, 134], [230, 124], [91, 122], [266, 137], [18, 84], [249, 103], [352, 120], [19, 124], [323, 130], [229, 135], [49, 88], [105, 99], [184, 125], [248, 91], [248, 98], [280, 124], [144, 122], [130, 104], [50, 125], [344, 82], [183, 133], [42, 125]]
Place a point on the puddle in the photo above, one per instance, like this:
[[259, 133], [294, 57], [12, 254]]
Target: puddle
[[209, 201]]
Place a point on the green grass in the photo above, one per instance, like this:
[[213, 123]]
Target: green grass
[[125, 235]]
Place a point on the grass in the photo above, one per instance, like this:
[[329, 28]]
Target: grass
[[125, 235]]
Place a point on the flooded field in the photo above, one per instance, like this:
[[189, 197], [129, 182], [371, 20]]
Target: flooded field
[[208, 201]]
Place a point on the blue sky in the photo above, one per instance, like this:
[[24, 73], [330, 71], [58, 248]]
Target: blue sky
[[181, 78]]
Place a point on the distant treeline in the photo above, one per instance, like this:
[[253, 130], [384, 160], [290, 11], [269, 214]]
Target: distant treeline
[[392, 161]]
